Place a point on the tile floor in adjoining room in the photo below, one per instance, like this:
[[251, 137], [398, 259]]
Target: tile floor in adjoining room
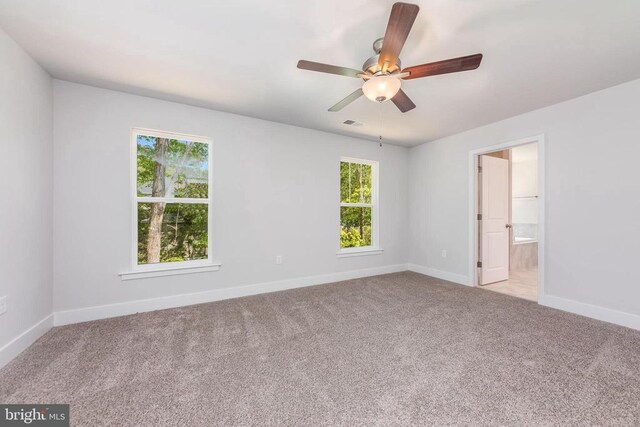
[[521, 284]]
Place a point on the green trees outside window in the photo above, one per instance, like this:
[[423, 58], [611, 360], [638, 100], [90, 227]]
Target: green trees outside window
[[356, 204], [172, 196]]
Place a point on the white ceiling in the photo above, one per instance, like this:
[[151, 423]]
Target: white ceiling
[[240, 55]]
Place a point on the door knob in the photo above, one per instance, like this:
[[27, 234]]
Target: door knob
[[508, 226]]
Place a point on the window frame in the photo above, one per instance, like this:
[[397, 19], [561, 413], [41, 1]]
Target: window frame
[[374, 248], [187, 266]]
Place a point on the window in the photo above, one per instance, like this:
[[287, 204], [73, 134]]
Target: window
[[172, 200], [358, 205]]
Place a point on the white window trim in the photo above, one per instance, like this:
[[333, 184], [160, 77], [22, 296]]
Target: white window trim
[[169, 271], [374, 248], [362, 251], [167, 268]]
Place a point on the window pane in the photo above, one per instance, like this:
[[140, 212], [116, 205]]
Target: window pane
[[172, 168], [169, 232], [355, 183], [355, 227], [344, 182]]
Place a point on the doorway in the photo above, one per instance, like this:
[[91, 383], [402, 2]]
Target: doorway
[[508, 218]]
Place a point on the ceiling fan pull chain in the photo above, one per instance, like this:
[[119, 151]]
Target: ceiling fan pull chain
[[381, 126]]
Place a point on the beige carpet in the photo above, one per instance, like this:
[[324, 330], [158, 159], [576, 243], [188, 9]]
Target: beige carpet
[[398, 349]]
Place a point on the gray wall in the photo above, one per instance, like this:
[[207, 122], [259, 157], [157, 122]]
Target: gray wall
[[592, 196], [26, 169], [275, 192]]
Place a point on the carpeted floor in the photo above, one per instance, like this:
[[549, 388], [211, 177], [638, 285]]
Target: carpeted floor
[[398, 349]]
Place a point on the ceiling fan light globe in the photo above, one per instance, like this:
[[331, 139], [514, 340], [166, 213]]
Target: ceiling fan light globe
[[381, 88]]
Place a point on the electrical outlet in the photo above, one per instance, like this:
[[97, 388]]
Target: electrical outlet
[[444, 253], [3, 305], [279, 259]]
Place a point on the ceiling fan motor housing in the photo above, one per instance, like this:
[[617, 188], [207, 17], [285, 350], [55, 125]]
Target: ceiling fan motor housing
[[371, 65]]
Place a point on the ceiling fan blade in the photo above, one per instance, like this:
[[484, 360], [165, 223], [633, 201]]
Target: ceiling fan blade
[[454, 65], [348, 100], [403, 102], [326, 68], [400, 22]]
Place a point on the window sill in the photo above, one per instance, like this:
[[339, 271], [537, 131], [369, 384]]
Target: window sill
[[169, 271], [359, 252]]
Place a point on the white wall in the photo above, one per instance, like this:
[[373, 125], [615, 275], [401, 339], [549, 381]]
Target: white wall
[[592, 197], [26, 125], [276, 190]]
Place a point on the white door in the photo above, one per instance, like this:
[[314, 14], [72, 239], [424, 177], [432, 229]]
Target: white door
[[494, 207]]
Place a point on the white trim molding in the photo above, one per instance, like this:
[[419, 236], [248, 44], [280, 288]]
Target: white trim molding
[[439, 274], [604, 314], [169, 271], [172, 301], [12, 349], [20, 343], [349, 252], [593, 311]]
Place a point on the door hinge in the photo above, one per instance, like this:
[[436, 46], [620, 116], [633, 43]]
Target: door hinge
[[479, 217], [479, 264], [479, 169]]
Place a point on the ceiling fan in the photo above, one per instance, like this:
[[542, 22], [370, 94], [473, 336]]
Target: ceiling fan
[[382, 73]]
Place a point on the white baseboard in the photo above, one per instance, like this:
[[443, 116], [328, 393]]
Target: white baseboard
[[24, 340], [594, 311], [139, 306], [444, 275]]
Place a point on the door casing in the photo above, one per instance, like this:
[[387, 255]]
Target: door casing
[[473, 203]]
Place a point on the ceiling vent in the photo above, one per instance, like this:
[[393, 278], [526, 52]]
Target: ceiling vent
[[352, 123]]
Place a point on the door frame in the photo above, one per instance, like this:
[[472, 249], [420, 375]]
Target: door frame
[[473, 203]]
